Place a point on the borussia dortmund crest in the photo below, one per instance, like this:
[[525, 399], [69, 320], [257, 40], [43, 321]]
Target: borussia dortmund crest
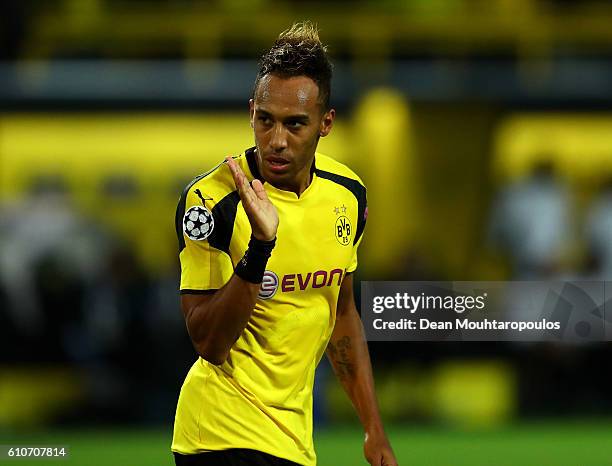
[[198, 223], [343, 229]]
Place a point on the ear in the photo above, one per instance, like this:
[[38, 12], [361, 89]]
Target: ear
[[327, 122], [252, 112]]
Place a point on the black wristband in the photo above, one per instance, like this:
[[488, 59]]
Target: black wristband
[[252, 266]]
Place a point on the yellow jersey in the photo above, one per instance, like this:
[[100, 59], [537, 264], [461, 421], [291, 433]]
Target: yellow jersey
[[260, 398]]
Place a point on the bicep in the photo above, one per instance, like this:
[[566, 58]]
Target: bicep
[[191, 301], [346, 297]]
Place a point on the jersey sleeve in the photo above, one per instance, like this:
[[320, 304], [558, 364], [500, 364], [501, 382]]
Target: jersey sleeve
[[203, 246], [362, 212]]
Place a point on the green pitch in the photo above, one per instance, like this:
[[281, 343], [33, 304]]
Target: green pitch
[[569, 444]]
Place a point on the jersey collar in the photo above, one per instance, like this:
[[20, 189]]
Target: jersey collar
[[250, 157], [255, 174]]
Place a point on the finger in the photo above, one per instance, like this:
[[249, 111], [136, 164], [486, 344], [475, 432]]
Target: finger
[[244, 187], [259, 190], [249, 201], [237, 173], [232, 167], [240, 179]]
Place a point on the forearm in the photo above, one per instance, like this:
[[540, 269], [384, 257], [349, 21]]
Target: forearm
[[348, 353], [216, 322]]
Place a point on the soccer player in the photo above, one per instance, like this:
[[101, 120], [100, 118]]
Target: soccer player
[[260, 320]]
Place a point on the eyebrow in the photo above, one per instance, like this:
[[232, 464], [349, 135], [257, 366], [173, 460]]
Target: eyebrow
[[299, 117]]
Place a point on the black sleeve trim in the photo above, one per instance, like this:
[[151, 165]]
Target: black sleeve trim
[[358, 190], [187, 291], [224, 213]]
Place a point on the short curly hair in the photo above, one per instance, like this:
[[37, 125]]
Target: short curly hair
[[298, 51]]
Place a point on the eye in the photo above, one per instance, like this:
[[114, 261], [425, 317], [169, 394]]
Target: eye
[[265, 120], [295, 124]]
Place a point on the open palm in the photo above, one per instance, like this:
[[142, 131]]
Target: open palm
[[260, 211]]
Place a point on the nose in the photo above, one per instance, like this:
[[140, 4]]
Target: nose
[[278, 142]]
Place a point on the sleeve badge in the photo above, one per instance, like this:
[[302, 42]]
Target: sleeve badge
[[198, 223]]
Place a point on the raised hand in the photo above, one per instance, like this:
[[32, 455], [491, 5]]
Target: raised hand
[[260, 211]]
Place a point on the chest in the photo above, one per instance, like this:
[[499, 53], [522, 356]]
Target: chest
[[314, 246], [311, 237]]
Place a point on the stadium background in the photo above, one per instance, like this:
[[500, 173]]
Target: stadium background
[[446, 108]]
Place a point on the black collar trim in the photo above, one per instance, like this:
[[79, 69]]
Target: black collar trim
[[252, 161]]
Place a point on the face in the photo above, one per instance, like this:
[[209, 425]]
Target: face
[[288, 121]]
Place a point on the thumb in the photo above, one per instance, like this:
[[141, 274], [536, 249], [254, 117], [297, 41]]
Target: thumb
[[259, 189]]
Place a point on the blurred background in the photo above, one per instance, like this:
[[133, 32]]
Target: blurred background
[[483, 130]]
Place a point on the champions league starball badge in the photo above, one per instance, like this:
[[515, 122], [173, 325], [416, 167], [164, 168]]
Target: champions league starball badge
[[198, 223]]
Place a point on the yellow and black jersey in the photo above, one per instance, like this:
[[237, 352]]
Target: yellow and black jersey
[[261, 397]]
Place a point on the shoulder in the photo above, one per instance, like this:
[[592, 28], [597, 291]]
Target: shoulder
[[212, 195], [344, 178], [326, 165], [211, 186], [338, 173]]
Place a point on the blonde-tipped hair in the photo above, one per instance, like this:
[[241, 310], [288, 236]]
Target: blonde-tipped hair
[[302, 32], [298, 51]]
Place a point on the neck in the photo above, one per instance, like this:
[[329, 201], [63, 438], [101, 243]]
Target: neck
[[297, 185]]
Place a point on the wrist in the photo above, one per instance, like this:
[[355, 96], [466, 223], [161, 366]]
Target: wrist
[[375, 429], [252, 266], [261, 237]]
